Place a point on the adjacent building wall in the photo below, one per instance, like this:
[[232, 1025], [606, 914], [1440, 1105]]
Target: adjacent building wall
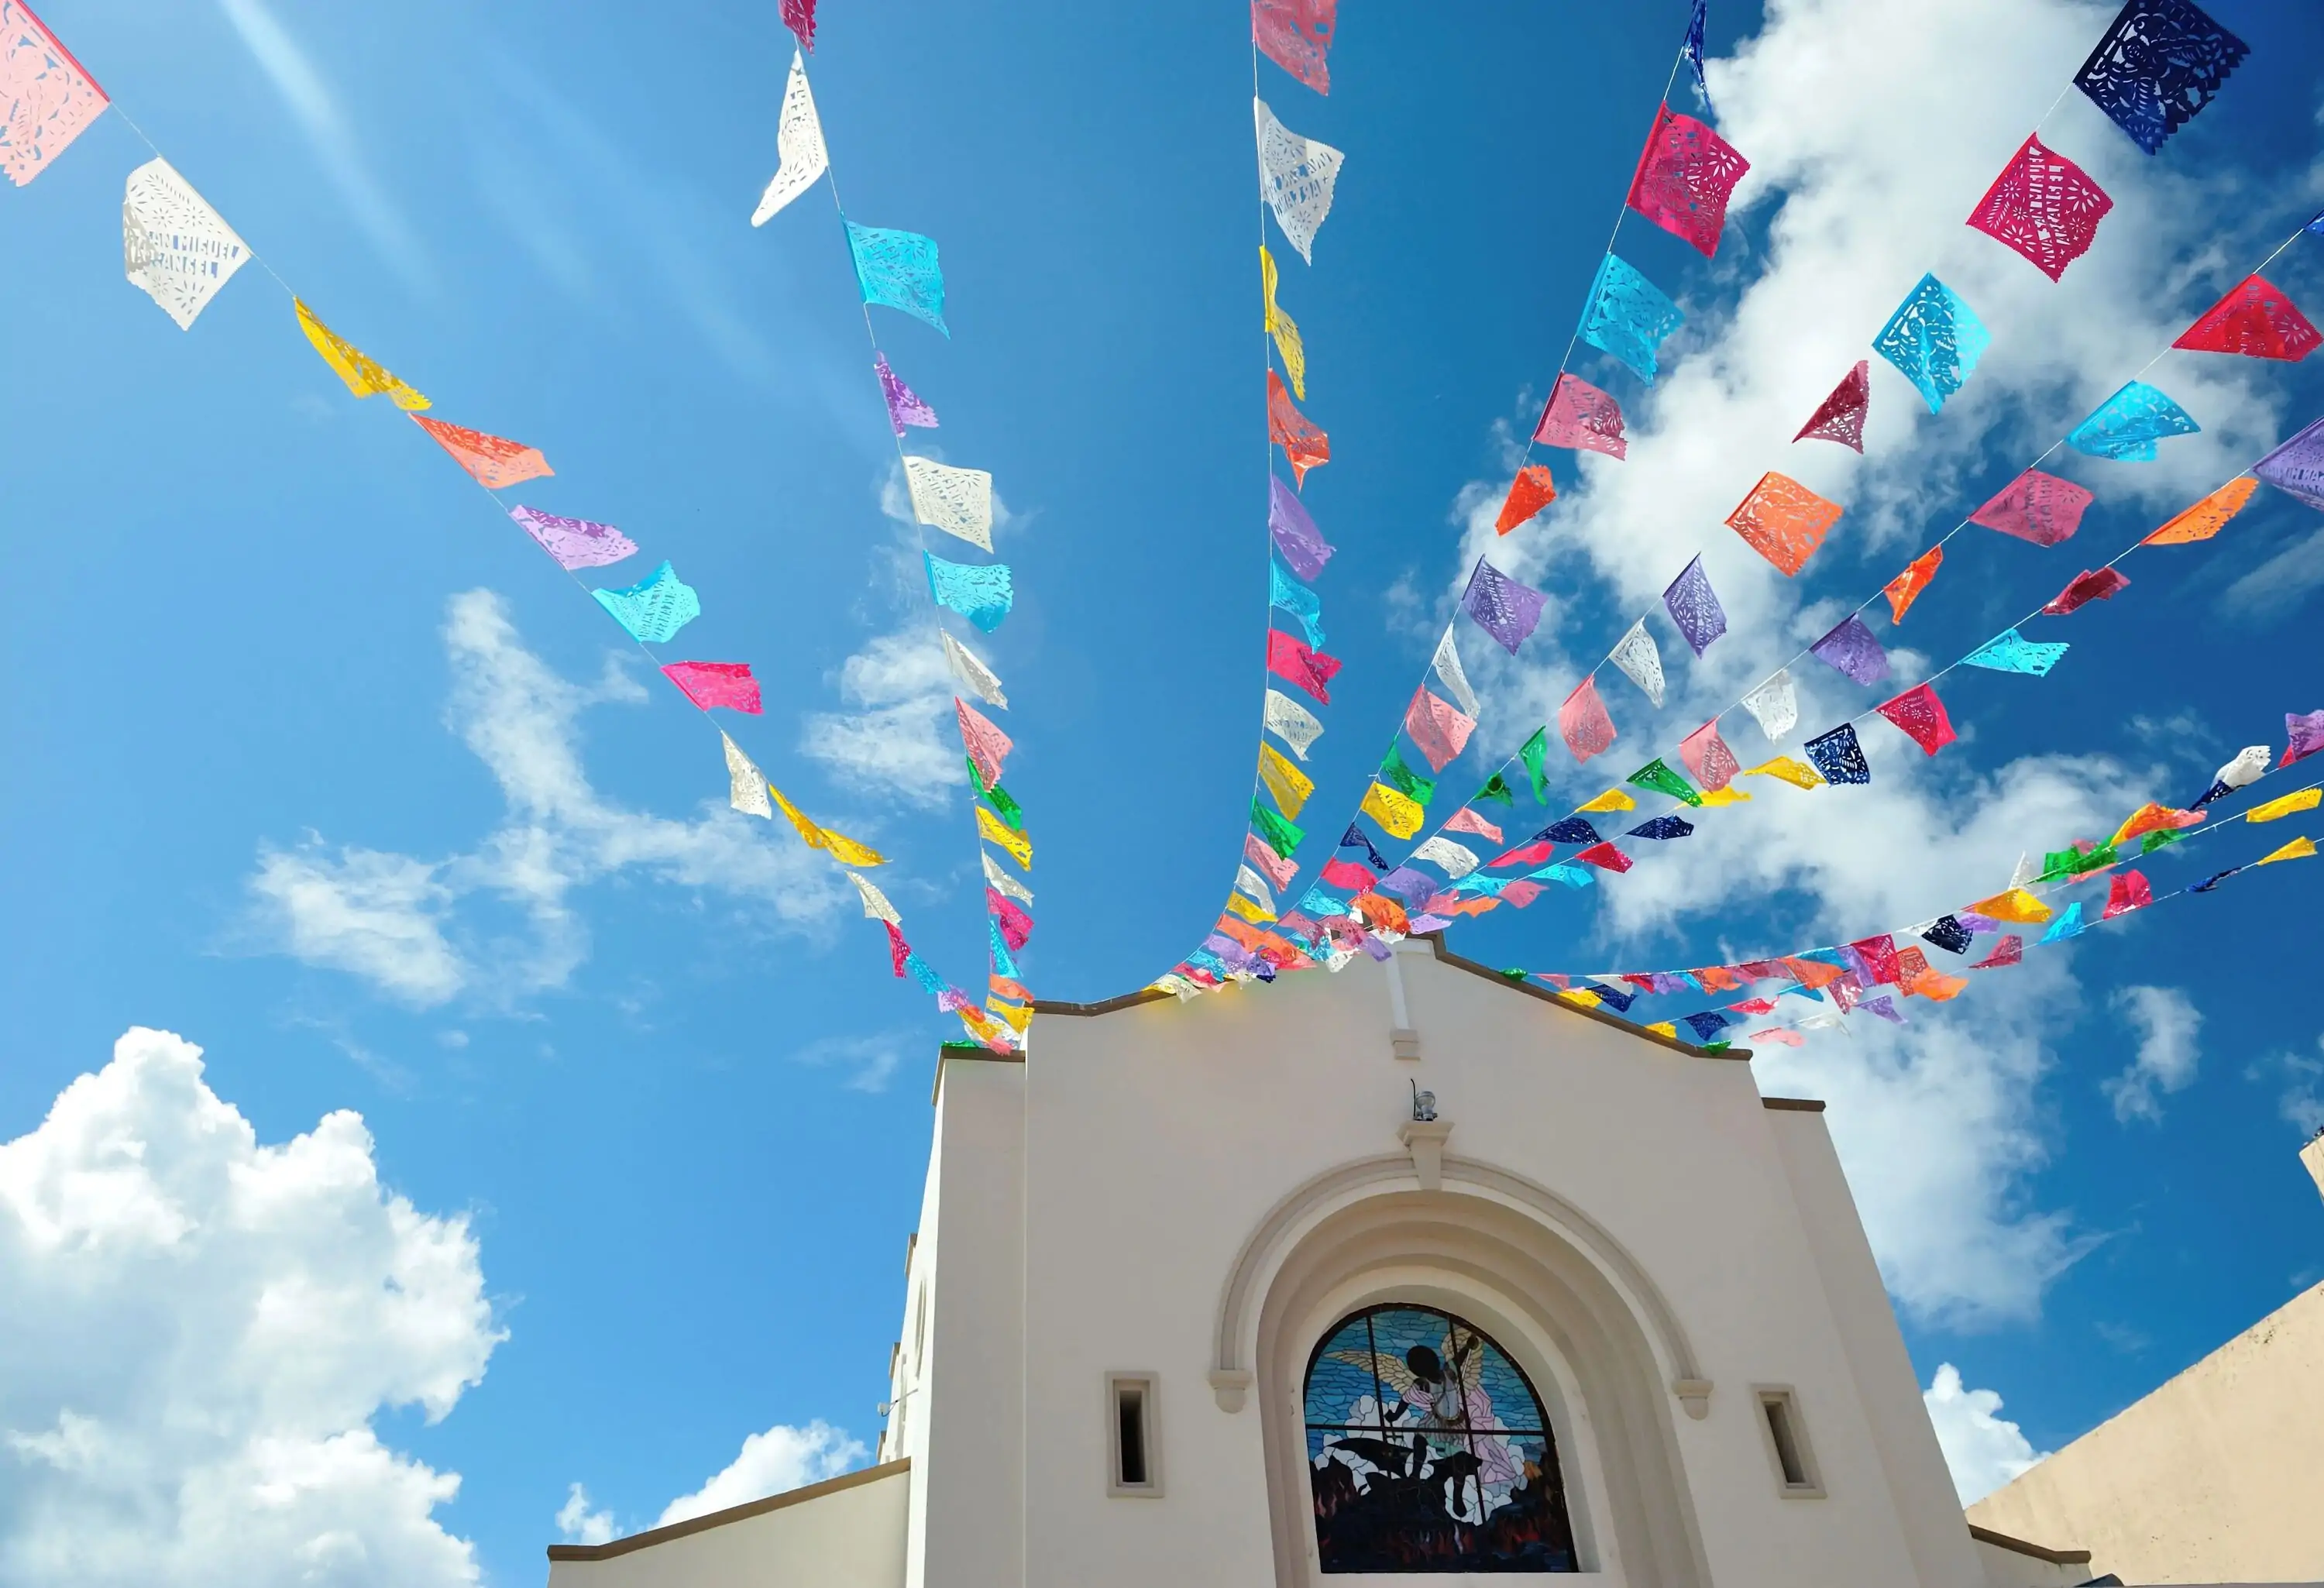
[[849, 1530], [2215, 1477]]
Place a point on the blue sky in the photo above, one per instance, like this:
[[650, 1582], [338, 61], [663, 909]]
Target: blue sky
[[289, 688]]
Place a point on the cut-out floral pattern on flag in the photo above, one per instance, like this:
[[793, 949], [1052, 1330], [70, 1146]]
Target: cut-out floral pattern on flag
[[1456, 859], [1446, 664], [1694, 606], [1906, 588], [1295, 177], [746, 785], [1841, 416], [988, 747], [904, 405], [2037, 507], [957, 501], [2289, 805], [1611, 799], [1628, 316], [2256, 321], [494, 462], [1465, 820], [1934, 339], [970, 670], [1502, 607], [1017, 845], [2010, 950], [1583, 721], [46, 97], [838, 845], [1605, 857], [1640, 661], [2127, 890], [1289, 785], [1297, 35], [1851, 649], [1921, 717], [876, 907], [2044, 206], [1283, 328], [1271, 865], [1532, 490], [1292, 723], [1662, 827], [574, 542], [1657, 775], [2159, 62], [798, 15], [2126, 426], [362, 375], [2207, 517], [2296, 468], [2013, 653], [1706, 755], [1774, 706], [655, 608], [174, 247], [1288, 595], [1581, 416], [1280, 832], [2297, 849], [2303, 735], [801, 156], [1839, 757], [1303, 445], [899, 269], [710, 684], [1290, 659], [1784, 521], [1398, 815], [2099, 585], [1295, 536], [1798, 774], [1685, 174], [983, 593], [1438, 727]]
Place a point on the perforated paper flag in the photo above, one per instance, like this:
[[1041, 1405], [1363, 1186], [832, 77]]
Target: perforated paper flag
[[2304, 736], [1921, 717], [1253, 886], [2297, 849], [876, 907], [1784, 521], [957, 501], [46, 96], [1465, 820], [1798, 774], [1657, 775], [2016, 905], [1774, 706], [2207, 517], [2013, 653], [2043, 205], [1686, 175], [899, 269], [711, 684], [494, 462], [983, 593], [1906, 588], [1295, 177], [1283, 328], [904, 405], [1694, 606], [2151, 818], [2008, 951], [1017, 845], [1292, 723], [174, 246], [1303, 445], [1583, 721], [2126, 426], [1297, 35], [2068, 925], [1662, 827], [1851, 650], [1610, 800], [2256, 321], [574, 542], [655, 608], [798, 15], [1289, 785], [1438, 727], [1841, 416], [2249, 766], [1605, 857], [2089, 585], [1290, 659], [1529, 493], [362, 375], [994, 877], [1707, 756], [1640, 661], [1457, 859], [746, 785], [1288, 595], [1935, 340], [798, 145], [1502, 607], [1628, 316], [1398, 815], [1839, 757], [1302, 544], [1581, 416], [838, 845], [2159, 62], [1446, 664], [2296, 468], [1535, 753], [986, 744], [2037, 507], [973, 676]]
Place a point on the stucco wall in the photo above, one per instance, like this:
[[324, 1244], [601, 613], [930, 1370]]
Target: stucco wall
[[2215, 1477], [848, 1531]]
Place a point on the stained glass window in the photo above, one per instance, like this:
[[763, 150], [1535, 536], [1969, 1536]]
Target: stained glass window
[[1427, 1451]]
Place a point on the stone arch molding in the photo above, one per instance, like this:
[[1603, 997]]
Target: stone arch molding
[[1236, 1330]]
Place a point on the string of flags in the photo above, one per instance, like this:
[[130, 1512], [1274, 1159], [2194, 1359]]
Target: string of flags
[[179, 251]]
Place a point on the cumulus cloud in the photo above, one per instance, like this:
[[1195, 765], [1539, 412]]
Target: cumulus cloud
[[870, 1061], [1982, 1451], [201, 1329], [900, 741], [783, 1458], [2301, 1103], [577, 1524], [2166, 1024], [397, 921]]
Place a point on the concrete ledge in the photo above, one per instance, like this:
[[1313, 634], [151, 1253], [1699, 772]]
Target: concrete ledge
[[733, 1513], [2056, 1557], [1793, 1105]]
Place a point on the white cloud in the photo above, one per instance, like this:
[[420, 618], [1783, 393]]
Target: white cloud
[[577, 1524], [2280, 583], [901, 741], [397, 921], [871, 1061], [2167, 1023], [2302, 1101], [1982, 1451], [200, 1330], [781, 1459]]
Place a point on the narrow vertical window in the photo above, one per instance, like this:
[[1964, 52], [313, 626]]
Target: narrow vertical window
[[1134, 1450], [1787, 1443]]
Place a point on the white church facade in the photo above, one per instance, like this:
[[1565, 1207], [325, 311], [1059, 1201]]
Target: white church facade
[[1211, 1294]]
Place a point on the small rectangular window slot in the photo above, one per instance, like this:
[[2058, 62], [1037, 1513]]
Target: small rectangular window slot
[[1133, 1441], [1788, 1442]]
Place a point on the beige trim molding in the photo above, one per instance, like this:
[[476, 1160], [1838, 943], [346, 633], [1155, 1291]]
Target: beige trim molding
[[1793, 1105], [2056, 1557], [735, 1513]]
